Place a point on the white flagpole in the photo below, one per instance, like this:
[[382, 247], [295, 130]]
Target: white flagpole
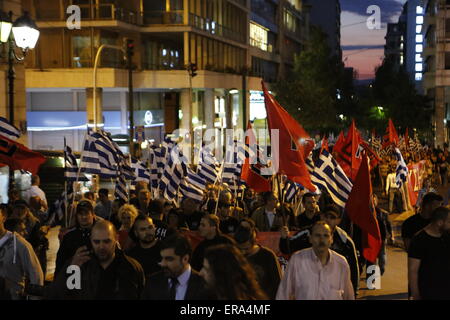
[[65, 184], [219, 177]]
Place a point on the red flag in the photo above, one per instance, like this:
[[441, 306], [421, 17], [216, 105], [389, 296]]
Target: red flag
[[348, 153], [391, 136], [324, 144], [251, 173], [361, 211], [293, 146], [17, 156]]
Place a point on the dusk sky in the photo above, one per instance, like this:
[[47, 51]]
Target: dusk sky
[[363, 49]]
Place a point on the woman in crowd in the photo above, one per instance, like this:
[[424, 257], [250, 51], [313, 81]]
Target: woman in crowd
[[229, 275], [127, 214]]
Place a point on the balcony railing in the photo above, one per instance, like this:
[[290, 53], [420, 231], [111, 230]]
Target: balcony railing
[[100, 12], [265, 46], [163, 17], [213, 27]]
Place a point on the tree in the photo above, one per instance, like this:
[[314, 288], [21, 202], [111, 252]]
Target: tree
[[396, 93], [309, 92]]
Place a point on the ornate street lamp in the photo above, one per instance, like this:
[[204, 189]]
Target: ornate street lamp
[[24, 35]]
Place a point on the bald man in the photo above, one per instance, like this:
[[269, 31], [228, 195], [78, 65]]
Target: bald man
[[106, 272]]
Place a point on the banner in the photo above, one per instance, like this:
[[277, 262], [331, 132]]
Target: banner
[[416, 173]]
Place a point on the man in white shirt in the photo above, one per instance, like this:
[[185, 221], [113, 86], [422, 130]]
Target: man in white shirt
[[36, 191], [392, 189], [317, 273]]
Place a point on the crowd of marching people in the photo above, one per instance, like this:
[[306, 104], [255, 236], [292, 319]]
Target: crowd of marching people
[[151, 249]]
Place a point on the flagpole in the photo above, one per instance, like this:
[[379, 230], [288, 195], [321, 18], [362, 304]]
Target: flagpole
[[282, 201], [65, 184], [219, 177], [78, 176]]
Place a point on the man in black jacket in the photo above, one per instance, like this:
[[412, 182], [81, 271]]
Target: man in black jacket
[[177, 280], [78, 236], [342, 243], [105, 273]]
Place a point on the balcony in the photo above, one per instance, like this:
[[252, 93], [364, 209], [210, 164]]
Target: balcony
[[88, 12], [163, 17], [265, 46], [214, 28]]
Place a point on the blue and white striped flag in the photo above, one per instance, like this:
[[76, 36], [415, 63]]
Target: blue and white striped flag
[[8, 130], [291, 189], [401, 173], [120, 191], [71, 166], [142, 173], [208, 167], [101, 155], [328, 175], [190, 191]]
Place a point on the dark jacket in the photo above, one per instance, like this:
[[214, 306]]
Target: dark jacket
[[128, 276], [342, 244], [75, 238], [199, 252], [157, 287]]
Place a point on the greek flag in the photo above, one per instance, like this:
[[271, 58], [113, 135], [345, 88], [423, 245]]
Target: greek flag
[[328, 175], [208, 167], [101, 155], [8, 130], [153, 167], [120, 191], [190, 191], [142, 173], [71, 169], [58, 211], [175, 170], [290, 191], [401, 173]]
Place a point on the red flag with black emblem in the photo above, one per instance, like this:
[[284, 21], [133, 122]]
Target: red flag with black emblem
[[348, 152], [19, 157], [391, 136], [251, 173], [361, 211], [293, 145]]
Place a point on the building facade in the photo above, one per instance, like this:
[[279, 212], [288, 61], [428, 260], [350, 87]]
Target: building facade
[[233, 43], [326, 14], [436, 55]]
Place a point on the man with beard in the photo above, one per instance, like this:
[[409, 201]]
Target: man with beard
[[148, 247], [429, 259], [177, 280], [106, 272], [317, 273]]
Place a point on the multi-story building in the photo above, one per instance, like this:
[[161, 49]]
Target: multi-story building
[[326, 14], [394, 48], [234, 43], [436, 55]]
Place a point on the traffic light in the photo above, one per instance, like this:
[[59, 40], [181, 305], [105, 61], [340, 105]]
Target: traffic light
[[192, 68], [130, 47]]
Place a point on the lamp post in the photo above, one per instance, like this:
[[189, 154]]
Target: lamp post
[[24, 35]]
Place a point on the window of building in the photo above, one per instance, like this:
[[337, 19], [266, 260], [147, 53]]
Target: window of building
[[290, 21], [418, 76], [419, 38], [258, 36], [419, 10], [447, 61], [419, 28], [419, 48], [419, 57], [419, 67], [81, 50], [419, 20]]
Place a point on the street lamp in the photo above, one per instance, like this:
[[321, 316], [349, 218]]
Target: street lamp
[[24, 35]]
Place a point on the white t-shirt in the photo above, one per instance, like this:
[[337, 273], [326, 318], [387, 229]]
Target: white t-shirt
[[35, 191], [271, 217]]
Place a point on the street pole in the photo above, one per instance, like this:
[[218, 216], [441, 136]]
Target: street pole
[[129, 53], [11, 78]]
